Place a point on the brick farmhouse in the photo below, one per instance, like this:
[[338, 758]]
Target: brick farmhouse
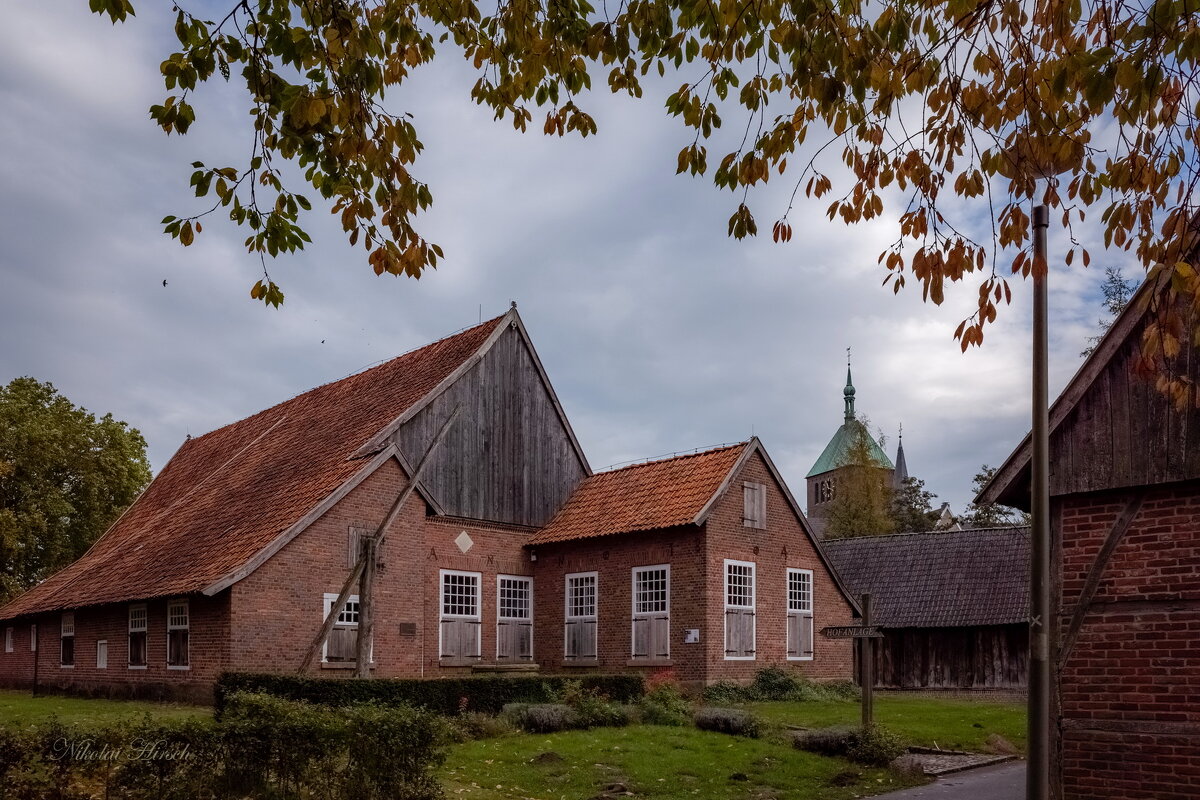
[[509, 555], [1125, 539]]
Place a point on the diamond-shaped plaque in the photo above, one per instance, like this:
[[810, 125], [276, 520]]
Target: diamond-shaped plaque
[[464, 542]]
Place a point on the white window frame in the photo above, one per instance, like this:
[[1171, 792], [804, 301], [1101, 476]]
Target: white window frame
[[175, 626], [329, 600], [757, 518], [8, 639], [144, 629], [102, 663], [594, 617], [501, 618], [66, 630], [802, 612], [635, 614], [752, 607], [477, 617]]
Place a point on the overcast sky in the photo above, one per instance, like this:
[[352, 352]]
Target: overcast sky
[[658, 332]]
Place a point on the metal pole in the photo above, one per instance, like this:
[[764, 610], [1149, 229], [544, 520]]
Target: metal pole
[[867, 649], [1038, 770]]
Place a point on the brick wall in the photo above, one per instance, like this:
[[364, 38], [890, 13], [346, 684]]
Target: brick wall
[[1130, 689], [279, 608], [208, 652], [780, 545], [613, 559]]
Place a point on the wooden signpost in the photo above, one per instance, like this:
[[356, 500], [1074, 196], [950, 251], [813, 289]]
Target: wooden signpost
[[865, 634]]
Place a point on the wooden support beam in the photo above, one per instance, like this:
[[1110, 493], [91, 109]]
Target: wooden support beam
[[363, 572], [1092, 584]]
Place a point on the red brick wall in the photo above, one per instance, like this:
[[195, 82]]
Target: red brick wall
[[279, 608], [613, 559], [1130, 688], [208, 652], [780, 545]]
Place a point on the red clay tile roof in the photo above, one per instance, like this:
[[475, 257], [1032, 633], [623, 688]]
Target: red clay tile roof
[[226, 495], [657, 494]]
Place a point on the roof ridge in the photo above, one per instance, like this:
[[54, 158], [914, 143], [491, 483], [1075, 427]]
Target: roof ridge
[[621, 466], [875, 536], [356, 373]]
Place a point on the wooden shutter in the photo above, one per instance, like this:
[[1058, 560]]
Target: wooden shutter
[[580, 639], [739, 632], [754, 505], [460, 639], [342, 644], [514, 640]]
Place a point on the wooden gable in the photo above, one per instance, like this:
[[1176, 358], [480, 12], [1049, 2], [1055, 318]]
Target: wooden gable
[[511, 455], [1111, 429]]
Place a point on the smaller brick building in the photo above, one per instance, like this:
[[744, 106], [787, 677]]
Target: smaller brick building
[[508, 555]]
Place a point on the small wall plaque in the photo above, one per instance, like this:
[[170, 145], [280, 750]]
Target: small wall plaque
[[691, 636], [464, 542]]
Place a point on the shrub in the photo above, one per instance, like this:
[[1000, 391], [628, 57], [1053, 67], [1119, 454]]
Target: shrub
[[592, 709], [773, 683], [875, 746], [824, 741], [473, 725], [449, 696], [726, 693], [392, 753], [733, 721], [664, 704], [543, 717]]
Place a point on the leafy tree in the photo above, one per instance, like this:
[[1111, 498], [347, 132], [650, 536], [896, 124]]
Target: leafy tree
[[862, 500], [912, 507], [64, 477], [1117, 290], [1082, 104], [989, 515]]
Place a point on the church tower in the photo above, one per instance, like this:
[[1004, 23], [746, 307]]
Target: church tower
[[835, 458]]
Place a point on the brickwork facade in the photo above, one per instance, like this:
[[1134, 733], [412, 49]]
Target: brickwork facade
[[1129, 690]]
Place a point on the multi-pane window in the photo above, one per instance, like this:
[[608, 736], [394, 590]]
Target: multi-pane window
[[514, 618], [651, 628], [178, 634], [67, 639], [754, 505], [579, 641], [8, 640], [800, 614], [460, 622], [739, 610], [102, 654], [342, 643], [137, 636]]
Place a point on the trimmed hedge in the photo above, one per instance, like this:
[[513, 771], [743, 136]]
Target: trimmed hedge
[[450, 696]]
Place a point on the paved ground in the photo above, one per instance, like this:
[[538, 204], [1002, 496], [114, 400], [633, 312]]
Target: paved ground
[[1002, 782]]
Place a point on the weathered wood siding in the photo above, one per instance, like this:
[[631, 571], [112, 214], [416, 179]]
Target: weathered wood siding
[[1122, 432], [988, 657], [508, 457]]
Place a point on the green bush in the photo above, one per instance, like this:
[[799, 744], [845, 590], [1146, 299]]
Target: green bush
[[262, 747], [473, 725], [665, 705], [592, 709], [833, 741], [449, 696], [734, 721], [875, 746], [543, 717], [776, 684]]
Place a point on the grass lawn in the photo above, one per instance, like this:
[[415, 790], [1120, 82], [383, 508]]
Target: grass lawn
[[22, 710], [952, 724], [653, 762]]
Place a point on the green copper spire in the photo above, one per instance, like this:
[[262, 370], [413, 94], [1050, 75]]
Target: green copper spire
[[848, 392]]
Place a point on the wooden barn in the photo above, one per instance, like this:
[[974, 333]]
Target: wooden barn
[[952, 605], [506, 553], [1125, 573]]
